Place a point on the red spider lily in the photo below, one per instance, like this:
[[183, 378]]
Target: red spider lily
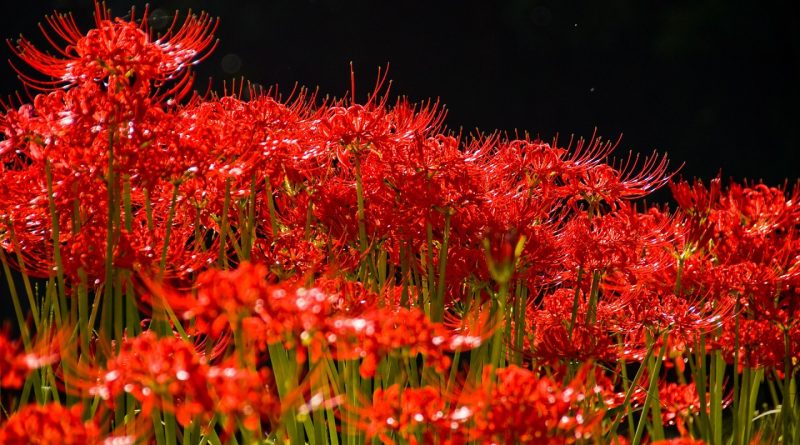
[[240, 140], [351, 129], [166, 373], [614, 241], [554, 342], [13, 366], [377, 333], [123, 52], [414, 414], [695, 199], [342, 322], [49, 424], [469, 328], [525, 408], [334, 225], [532, 165], [684, 317], [553, 337], [678, 402], [520, 407], [222, 297], [16, 364], [244, 395], [170, 374], [761, 344], [610, 184], [119, 74]]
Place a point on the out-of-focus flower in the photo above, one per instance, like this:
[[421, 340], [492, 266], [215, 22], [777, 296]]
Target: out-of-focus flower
[[16, 364], [49, 424]]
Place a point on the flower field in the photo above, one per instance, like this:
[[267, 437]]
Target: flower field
[[238, 267]]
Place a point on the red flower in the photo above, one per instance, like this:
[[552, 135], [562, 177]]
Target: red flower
[[49, 424], [411, 411], [521, 407], [166, 373], [16, 364], [244, 395], [122, 51], [678, 402]]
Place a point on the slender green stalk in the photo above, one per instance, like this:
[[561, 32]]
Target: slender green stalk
[[34, 307], [787, 411], [737, 421], [168, 229], [112, 224], [652, 392], [428, 291], [700, 378], [223, 226], [717, 376], [626, 402], [404, 273], [437, 305], [520, 305], [12, 288], [309, 220], [626, 386], [56, 237], [34, 381], [286, 381], [273, 218], [657, 429], [497, 359], [158, 428], [249, 231], [594, 292], [575, 302], [360, 211]]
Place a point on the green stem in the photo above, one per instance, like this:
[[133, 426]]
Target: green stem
[[360, 212], [249, 231], [286, 381], [429, 267], [273, 218], [223, 226], [787, 412], [520, 304], [575, 302], [56, 246], [437, 306], [626, 402], [25, 279], [594, 291], [168, 229], [652, 392], [497, 358]]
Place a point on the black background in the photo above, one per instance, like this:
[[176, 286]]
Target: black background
[[715, 83]]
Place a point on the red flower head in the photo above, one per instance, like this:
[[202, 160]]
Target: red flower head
[[166, 373], [412, 411], [122, 53], [522, 407], [49, 424], [15, 364]]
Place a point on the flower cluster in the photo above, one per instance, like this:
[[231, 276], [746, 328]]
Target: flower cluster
[[247, 268]]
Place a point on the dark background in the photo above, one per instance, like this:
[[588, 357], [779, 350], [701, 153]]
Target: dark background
[[712, 82]]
